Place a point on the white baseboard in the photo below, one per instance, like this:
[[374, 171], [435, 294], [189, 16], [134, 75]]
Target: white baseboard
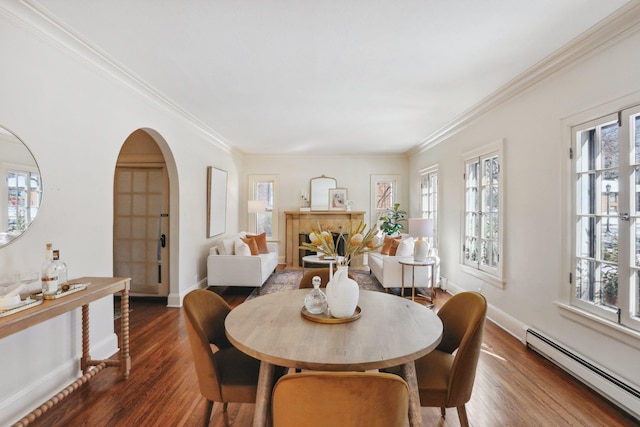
[[612, 387]]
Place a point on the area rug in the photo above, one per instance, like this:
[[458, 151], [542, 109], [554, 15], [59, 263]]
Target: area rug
[[290, 279]]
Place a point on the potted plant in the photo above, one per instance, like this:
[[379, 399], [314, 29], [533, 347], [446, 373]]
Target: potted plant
[[391, 220]]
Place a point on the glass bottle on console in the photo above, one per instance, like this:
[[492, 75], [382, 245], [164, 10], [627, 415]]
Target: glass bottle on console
[[49, 275], [61, 268], [316, 301]]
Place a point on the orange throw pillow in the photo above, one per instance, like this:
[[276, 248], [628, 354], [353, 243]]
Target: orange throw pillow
[[253, 245], [386, 246], [261, 241], [394, 247]]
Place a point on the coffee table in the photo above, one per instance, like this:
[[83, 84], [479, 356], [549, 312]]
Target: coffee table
[[315, 259]]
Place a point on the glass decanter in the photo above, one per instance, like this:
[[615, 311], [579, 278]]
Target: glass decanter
[[316, 301]]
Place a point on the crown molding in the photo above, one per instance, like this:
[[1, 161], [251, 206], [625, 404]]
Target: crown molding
[[329, 156], [35, 19], [618, 26]]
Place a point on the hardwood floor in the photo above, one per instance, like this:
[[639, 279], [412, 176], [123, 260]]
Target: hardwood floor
[[514, 386]]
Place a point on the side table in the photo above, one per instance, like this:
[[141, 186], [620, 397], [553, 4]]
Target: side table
[[413, 264]]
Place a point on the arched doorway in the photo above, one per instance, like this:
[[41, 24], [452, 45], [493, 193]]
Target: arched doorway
[[142, 203]]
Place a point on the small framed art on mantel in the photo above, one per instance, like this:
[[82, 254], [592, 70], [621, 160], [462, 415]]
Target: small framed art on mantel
[[337, 199]]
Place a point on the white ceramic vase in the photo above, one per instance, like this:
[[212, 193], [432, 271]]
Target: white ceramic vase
[[342, 294]]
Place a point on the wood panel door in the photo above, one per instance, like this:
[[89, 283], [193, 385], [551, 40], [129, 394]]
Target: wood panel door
[[141, 221]]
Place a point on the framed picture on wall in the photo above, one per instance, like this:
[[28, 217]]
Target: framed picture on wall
[[216, 201], [337, 199]]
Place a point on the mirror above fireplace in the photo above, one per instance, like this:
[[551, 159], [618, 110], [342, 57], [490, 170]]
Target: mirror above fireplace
[[320, 187]]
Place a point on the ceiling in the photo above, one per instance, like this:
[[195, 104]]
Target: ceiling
[[332, 76]]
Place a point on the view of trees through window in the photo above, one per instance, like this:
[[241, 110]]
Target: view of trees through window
[[264, 220], [482, 213], [607, 216]]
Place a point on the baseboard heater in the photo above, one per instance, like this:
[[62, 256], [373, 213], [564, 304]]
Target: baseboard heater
[[622, 394]]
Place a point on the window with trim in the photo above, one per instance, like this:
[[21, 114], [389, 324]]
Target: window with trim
[[429, 201], [264, 188], [384, 194], [605, 276], [483, 220]]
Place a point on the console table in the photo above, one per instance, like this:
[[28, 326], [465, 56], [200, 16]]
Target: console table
[[98, 288]]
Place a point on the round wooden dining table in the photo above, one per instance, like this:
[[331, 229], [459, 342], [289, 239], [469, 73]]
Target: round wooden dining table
[[391, 331]]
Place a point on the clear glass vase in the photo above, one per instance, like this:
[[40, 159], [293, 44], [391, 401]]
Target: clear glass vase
[[316, 301]]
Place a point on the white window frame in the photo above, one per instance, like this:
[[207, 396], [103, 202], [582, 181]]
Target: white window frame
[[253, 181], [621, 314], [492, 276], [396, 184], [429, 201]]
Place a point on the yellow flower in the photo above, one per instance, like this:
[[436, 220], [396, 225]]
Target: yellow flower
[[315, 238], [356, 239], [355, 243]]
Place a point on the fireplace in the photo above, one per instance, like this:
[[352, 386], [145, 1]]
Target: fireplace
[[300, 224]]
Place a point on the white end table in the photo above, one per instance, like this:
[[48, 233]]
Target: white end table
[[413, 264]]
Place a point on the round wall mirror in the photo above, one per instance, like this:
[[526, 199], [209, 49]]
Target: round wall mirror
[[20, 187]]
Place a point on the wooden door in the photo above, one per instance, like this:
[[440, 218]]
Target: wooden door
[[141, 238]]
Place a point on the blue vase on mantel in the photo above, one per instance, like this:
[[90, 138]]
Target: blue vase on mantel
[[342, 294]]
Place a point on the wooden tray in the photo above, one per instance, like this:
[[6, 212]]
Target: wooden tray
[[72, 288], [327, 318], [23, 306]]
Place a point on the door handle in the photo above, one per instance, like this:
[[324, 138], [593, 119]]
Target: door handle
[[163, 241]]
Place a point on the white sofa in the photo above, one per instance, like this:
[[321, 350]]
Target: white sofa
[[388, 270], [228, 264]]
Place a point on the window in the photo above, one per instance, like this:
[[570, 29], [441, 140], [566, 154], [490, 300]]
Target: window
[[429, 201], [384, 194], [264, 188], [606, 206], [482, 244]]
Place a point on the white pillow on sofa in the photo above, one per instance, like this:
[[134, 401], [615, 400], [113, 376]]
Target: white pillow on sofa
[[405, 248], [227, 246], [241, 248]]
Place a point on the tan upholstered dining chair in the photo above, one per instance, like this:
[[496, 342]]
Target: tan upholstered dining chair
[[446, 379], [225, 374], [305, 282], [345, 399]]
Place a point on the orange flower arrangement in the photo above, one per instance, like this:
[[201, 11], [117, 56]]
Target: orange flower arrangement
[[356, 242]]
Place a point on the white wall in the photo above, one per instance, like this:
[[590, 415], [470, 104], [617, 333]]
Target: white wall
[[534, 127], [352, 172], [74, 116]]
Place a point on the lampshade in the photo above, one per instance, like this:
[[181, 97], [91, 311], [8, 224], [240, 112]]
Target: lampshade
[[255, 206], [420, 227]]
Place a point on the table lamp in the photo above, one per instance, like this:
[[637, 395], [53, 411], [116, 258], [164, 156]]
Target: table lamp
[[420, 228], [257, 206]]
